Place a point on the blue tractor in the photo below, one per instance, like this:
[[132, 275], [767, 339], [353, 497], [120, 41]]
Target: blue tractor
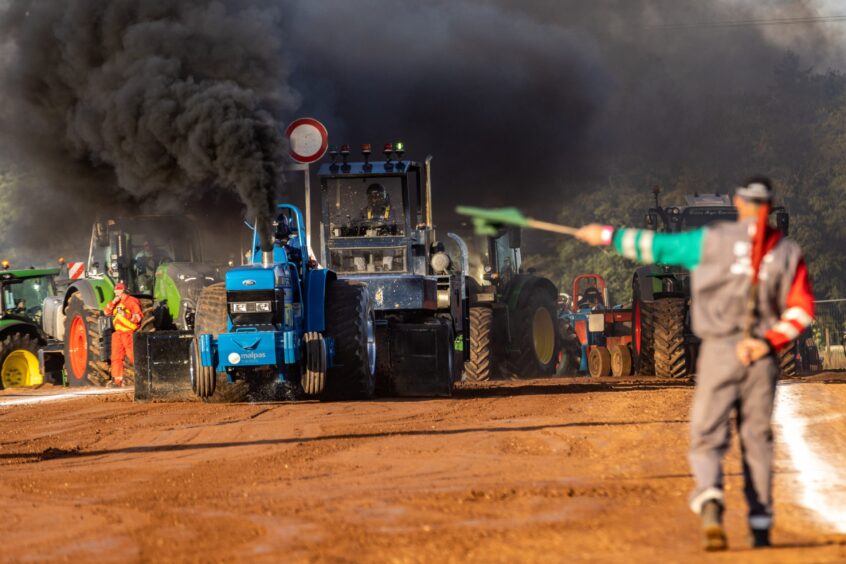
[[281, 327], [377, 228]]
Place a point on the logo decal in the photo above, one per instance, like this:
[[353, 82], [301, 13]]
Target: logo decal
[[248, 282], [380, 297], [234, 358]]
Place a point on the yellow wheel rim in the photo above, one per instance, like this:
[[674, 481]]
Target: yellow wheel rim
[[20, 369], [543, 335]]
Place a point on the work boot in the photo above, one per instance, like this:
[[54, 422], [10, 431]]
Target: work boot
[[712, 525], [759, 538]]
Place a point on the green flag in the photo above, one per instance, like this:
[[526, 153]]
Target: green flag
[[488, 221]]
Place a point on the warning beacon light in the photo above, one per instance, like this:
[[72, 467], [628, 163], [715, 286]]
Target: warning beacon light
[[366, 150], [345, 152], [399, 149], [5, 264], [388, 149], [333, 153]]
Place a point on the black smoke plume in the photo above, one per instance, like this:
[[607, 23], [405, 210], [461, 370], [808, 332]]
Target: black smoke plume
[[144, 107]]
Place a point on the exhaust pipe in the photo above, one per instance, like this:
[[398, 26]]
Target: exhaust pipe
[[427, 170], [267, 259]]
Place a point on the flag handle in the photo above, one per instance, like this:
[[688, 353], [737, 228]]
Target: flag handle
[[553, 227]]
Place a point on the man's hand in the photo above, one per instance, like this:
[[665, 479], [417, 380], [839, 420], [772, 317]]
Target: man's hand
[[595, 234], [749, 350]]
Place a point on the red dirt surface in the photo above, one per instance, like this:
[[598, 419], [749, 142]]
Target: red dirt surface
[[567, 470]]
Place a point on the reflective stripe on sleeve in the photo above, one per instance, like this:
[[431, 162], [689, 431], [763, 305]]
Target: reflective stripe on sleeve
[[645, 245], [787, 329], [629, 250], [797, 314]]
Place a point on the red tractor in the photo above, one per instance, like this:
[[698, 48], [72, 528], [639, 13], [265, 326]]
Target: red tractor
[[596, 338]]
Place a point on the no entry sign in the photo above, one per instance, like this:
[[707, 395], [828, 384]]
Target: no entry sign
[[308, 140]]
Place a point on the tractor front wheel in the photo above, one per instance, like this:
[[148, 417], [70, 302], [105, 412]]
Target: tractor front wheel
[[480, 366], [19, 361], [211, 319], [621, 360], [787, 360], [535, 342]]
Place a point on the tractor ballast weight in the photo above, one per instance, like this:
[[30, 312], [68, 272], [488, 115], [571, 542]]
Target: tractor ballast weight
[[22, 293], [377, 228], [159, 259], [285, 327], [512, 316]]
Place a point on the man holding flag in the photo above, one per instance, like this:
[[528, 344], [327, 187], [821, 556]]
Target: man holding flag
[[751, 296]]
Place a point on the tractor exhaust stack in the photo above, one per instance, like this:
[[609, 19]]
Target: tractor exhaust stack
[[267, 259]]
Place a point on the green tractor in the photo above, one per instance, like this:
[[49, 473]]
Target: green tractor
[[22, 292], [513, 319], [663, 343], [159, 259]]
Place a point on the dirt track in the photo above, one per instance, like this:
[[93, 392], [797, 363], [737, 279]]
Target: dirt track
[[546, 470]]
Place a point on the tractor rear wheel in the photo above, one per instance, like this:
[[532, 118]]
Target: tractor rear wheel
[[19, 361], [350, 323], [670, 358], [787, 360], [535, 342], [599, 362], [480, 366], [211, 319], [82, 345], [643, 354]]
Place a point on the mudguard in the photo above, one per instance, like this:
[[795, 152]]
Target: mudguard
[[315, 298], [19, 326], [95, 292]]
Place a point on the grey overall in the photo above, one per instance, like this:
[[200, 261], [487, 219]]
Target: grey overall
[[720, 286]]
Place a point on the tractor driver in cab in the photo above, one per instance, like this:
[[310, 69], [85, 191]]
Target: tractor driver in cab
[[147, 261], [590, 297], [377, 215], [282, 233]]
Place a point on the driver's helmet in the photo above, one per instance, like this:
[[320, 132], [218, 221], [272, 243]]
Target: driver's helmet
[[282, 228], [377, 196]]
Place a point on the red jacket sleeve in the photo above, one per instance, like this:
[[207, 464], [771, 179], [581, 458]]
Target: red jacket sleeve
[[134, 307], [799, 311]]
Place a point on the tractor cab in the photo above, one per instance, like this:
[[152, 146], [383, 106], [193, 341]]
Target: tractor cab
[[700, 210], [589, 293], [132, 249], [504, 258], [22, 293], [377, 218]]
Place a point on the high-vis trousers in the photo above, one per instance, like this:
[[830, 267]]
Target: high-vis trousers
[[725, 387], [121, 348]]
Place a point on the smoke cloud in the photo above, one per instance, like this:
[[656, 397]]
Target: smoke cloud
[[156, 104], [134, 106]]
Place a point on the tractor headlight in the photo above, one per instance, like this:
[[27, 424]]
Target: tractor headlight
[[251, 307], [440, 262]]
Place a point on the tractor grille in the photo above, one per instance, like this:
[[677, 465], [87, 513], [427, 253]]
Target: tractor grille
[[252, 307]]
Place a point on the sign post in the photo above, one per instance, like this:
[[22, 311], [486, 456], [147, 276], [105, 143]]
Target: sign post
[[308, 140]]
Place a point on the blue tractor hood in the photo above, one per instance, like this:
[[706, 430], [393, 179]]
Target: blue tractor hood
[[254, 277]]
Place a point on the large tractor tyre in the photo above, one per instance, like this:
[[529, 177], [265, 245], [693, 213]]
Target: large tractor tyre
[[787, 360], [535, 341], [481, 366], [82, 345], [670, 353], [19, 361], [211, 319], [350, 323], [643, 336]]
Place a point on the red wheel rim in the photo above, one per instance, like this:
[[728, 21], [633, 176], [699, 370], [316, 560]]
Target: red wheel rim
[[637, 326], [78, 347]]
